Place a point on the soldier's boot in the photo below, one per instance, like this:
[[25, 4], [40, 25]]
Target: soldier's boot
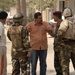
[[16, 67], [24, 73], [28, 66], [59, 73], [15, 73], [65, 73], [23, 66]]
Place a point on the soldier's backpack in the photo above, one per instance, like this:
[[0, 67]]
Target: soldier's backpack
[[16, 36], [70, 32]]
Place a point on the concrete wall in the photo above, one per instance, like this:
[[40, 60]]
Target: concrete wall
[[72, 5], [47, 14], [68, 3]]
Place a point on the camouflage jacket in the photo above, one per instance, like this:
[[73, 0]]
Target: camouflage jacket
[[67, 28], [56, 41], [19, 38]]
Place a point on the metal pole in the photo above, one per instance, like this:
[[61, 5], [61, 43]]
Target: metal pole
[[40, 1], [23, 10]]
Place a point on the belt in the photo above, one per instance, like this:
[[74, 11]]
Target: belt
[[68, 40]]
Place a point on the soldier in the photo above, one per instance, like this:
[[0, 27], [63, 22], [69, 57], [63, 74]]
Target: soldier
[[20, 45], [67, 40], [57, 18]]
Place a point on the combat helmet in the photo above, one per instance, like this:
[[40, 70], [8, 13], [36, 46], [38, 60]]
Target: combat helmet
[[67, 12], [18, 17]]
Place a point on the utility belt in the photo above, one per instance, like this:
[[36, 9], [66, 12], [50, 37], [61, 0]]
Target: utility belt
[[19, 49], [68, 40], [19, 52]]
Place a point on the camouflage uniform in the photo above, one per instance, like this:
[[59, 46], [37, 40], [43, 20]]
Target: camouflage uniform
[[20, 44], [57, 64], [67, 52], [67, 49]]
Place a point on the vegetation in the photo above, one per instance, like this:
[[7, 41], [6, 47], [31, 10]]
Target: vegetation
[[6, 4], [36, 4], [33, 5]]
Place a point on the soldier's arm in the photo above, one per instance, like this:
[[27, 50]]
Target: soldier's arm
[[26, 42], [62, 29], [28, 27], [60, 34], [8, 35]]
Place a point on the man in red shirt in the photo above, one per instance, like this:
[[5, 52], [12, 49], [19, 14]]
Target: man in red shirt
[[38, 39]]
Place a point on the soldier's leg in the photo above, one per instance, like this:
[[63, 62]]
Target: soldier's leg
[[65, 59], [16, 66], [73, 59], [23, 65], [57, 64]]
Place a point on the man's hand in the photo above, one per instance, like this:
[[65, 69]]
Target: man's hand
[[28, 28], [59, 33], [29, 54]]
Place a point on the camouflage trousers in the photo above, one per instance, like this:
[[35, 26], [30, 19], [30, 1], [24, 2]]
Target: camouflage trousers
[[19, 64], [67, 52], [57, 63]]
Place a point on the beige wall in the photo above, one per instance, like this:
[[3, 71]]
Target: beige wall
[[68, 3], [57, 5], [71, 4], [47, 14]]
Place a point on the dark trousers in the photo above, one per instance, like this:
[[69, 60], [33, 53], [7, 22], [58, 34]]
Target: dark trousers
[[41, 54]]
